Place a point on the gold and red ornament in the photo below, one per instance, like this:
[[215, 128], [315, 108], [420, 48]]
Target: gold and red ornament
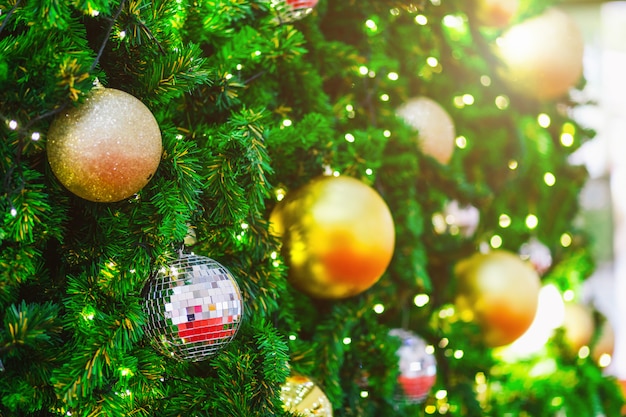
[[106, 149], [291, 10], [499, 292], [496, 13], [193, 308], [337, 236], [537, 254], [418, 366], [542, 56], [436, 133], [304, 397]]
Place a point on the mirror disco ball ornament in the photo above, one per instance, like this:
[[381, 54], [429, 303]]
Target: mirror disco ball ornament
[[194, 308], [291, 10], [418, 367], [302, 396]]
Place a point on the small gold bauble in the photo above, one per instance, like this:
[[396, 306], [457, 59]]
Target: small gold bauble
[[301, 395], [500, 293], [107, 148], [435, 127]]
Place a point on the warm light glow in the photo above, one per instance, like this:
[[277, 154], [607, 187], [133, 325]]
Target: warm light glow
[[280, 194], [549, 179], [485, 80], [567, 139], [429, 349], [441, 394], [458, 354], [604, 360], [584, 352], [384, 97], [387, 133], [287, 123], [549, 316], [532, 221], [349, 137], [495, 241], [504, 221], [569, 295], [461, 142], [12, 124], [379, 308], [566, 240], [468, 99], [502, 102], [347, 340], [544, 120], [421, 20], [35, 136], [371, 25], [363, 70], [364, 394], [292, 337], [432, 61], [369, 171], [393, 76], [513, 164], [421, 300]]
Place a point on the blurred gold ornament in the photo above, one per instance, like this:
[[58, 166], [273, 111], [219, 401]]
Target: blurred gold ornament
[[435, 127], [496, 13], [578, 325], [302, 396], [499, 292], [337, 236], [542, 56], [107, 148]]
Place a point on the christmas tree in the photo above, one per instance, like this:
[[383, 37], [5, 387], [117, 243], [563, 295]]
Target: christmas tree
[[266, 207]]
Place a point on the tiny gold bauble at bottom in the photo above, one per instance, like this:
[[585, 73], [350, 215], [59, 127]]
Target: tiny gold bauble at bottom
[[301, 395]]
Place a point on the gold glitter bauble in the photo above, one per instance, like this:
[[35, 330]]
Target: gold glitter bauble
[[106, 149], [302, 396]]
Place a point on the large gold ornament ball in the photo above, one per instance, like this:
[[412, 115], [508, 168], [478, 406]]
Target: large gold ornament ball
[[542, 56], [337, 236], [107, 148], [499, 292], [302, 396], [435, 127], [496, 13]]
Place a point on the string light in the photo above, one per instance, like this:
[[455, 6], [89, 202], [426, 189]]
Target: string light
[[567, 139], [504, 221], [387, 133], [421, 300], [384, 97], [292, 337], [379, 308], [566, 240], [544, 120], [12, 124], [513, 164], [485, 80], [363, 70], [468, 99], [347, 340], [280, 194], [369, 171], [432, 61], [371, 25], [495, 241], [604, 360], [532, 221], [549, 179], [502, 102], [461, 142], [584, 352], [13, 212], [287, 123], [349, 137], [364, 394], [35, 136], [569, 295], [421, 20]]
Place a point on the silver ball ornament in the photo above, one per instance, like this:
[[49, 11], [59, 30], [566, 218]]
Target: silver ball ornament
[[193, 308]]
